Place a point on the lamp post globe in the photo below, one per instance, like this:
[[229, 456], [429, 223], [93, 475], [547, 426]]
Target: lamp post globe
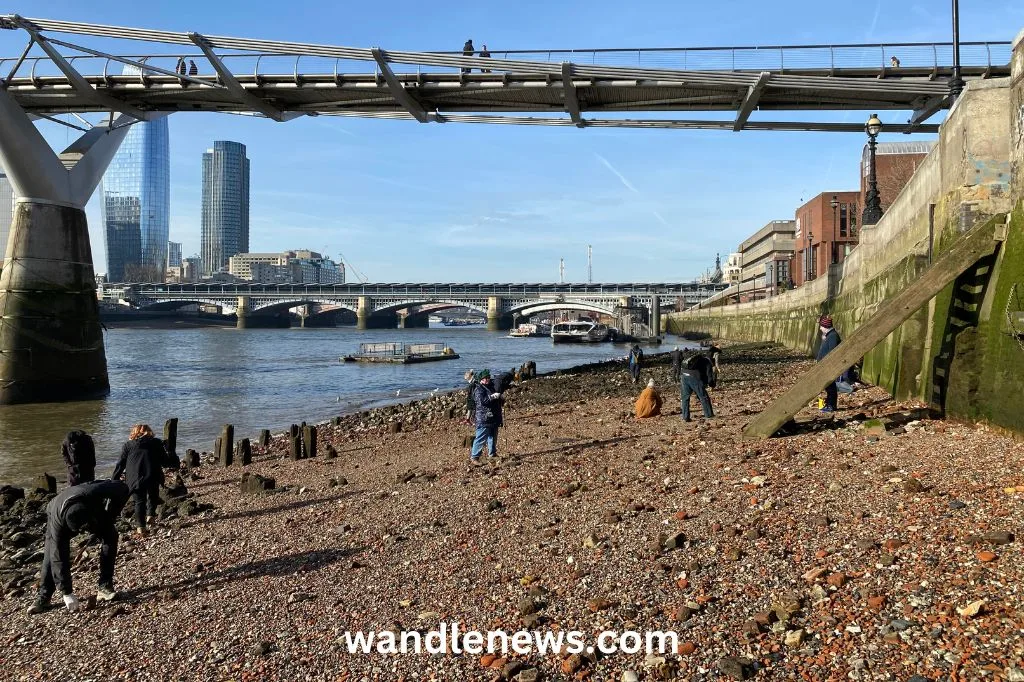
[[872, 201]]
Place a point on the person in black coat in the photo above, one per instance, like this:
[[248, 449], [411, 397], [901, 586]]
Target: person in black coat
[[79, 454], [141, 464], [87, 507], [829, 340], [486, 54], [467, 51]]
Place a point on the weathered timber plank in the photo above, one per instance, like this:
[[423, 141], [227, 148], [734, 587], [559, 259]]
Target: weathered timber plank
[[971, 247]]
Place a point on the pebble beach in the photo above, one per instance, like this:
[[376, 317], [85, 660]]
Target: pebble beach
[[878, 543]]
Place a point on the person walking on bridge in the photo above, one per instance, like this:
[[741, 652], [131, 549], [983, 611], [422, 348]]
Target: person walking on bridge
[[467, 51], [485, 53]]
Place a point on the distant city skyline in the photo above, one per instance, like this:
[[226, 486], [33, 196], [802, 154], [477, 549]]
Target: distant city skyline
[[225, 210]]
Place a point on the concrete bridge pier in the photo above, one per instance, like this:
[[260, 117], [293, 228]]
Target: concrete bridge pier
[[656, 315], [496, 321], [408, 319], [242, 313], [51, 341], [364, 309], [367, 319]]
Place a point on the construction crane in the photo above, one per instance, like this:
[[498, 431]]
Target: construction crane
[[348, 265]]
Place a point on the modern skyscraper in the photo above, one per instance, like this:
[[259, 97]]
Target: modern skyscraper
[[6, 213], [225, 204], [174, 254], [136, 203]]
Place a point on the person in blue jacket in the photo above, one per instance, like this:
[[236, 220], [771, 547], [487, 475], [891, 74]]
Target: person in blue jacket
[[829, 340], [487, 417]]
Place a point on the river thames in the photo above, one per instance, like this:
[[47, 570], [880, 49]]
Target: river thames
[[255, 379]]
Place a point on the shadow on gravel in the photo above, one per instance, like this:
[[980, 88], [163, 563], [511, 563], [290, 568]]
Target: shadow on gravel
[[253, 513], [564, 446], [288, 564]]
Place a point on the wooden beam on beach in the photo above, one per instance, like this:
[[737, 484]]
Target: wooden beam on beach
[[971, 247]]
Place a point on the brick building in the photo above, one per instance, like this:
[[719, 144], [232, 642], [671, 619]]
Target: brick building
[[824, 235], [895, 164]]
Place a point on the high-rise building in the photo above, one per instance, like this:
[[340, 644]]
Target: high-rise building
[[173, 254], [290, 267], [6, 213], [136, 203], [225, 229]]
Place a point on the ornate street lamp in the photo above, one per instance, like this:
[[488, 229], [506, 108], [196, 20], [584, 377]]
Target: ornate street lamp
[[873, 202], [956, 83], [835, 224]]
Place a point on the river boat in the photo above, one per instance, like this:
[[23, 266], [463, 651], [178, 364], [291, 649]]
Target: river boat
[[530, 330], [402, 353], [580, 331]]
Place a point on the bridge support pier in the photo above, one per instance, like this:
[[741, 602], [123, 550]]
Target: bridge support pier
[[242, 313], [656, 315], [51, 341], [363, 311], [496, 321]]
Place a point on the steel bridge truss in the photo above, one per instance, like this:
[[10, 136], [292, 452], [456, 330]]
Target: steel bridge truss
[[284, 80]]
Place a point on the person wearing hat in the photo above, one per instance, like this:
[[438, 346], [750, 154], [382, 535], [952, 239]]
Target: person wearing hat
[[829, 340], [88, 507], [487, 416], [649, 402]]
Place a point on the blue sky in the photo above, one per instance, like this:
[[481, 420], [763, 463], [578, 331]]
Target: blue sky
[[411, 202]]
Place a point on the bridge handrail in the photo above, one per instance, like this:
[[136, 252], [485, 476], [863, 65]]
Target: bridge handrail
[[976, 54]]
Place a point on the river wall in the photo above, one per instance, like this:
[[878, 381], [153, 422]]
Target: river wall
[[961, 352]]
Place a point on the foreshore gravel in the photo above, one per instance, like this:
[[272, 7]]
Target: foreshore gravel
[[878, 545]]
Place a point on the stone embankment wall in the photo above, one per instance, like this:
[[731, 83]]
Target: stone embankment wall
[[961, 352]]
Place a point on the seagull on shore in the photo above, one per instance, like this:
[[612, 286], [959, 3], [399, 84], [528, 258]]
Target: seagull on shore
[[398, 393]]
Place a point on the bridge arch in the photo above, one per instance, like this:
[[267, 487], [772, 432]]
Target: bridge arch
[[227, 307], [441, 304], [264, 307], [534, 307]]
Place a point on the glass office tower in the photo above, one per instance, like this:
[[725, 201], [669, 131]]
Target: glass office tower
[[136, 203], [225, 219]]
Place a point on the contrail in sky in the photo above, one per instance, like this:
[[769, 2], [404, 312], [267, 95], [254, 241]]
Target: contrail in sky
[[620, 176], [629, 185]]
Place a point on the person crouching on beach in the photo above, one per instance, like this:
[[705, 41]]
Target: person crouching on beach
[[91, 507], [141, 465], [649, 402]]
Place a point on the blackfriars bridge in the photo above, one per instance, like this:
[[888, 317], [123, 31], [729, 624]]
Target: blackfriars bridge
[[400, 305], [51, 340]]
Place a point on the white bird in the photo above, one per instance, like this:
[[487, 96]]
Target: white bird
[[398, 392]]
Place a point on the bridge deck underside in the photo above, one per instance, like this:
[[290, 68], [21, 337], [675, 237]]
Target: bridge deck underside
[[523, 93]]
